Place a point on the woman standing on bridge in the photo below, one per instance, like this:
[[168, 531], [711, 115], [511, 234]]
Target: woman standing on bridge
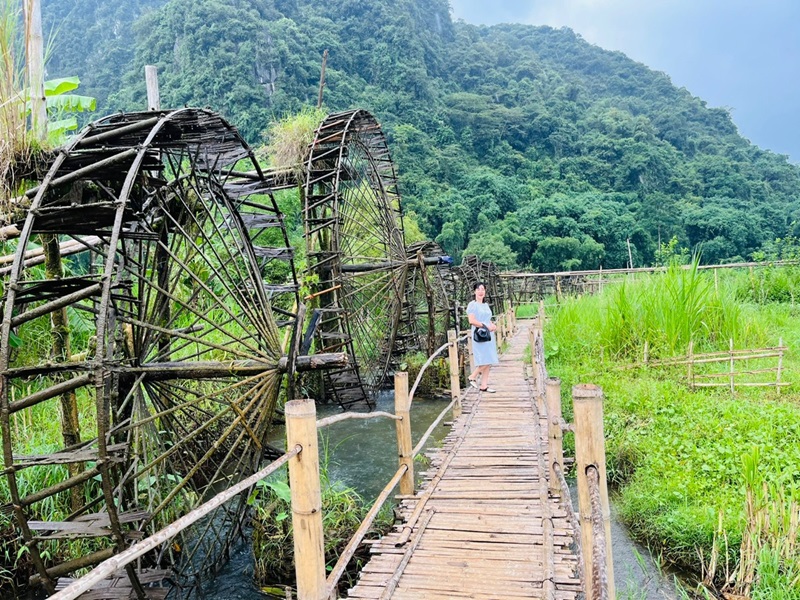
[[485, 353]]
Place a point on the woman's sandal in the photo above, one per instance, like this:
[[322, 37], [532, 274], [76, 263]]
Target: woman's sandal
[[473, 382], [488, 390]]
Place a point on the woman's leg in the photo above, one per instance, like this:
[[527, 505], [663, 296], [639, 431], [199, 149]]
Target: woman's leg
[[485, 376], [474, 375]]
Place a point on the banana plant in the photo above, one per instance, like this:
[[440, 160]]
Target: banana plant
[[61, 106]]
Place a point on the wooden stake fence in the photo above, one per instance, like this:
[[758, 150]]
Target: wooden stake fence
[[729, 357]]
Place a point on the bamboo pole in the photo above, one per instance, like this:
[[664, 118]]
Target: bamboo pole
[[151, 81], [732, 368], [471, 355], [554, 433], [34, 54], [322, 77], [646, 352], [455, 383], [61, 351], [780, 367], [402, 408], [309, 553], [689, 362], [590, 452]]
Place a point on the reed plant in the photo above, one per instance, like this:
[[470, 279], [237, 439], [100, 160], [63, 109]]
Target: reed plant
[[15, 142], [343, 509]]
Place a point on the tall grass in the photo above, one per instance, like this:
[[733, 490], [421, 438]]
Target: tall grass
[[14, 138], [288, 139], [675, 456], [666, 310]]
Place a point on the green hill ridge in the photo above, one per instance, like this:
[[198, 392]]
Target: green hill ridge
[[525, 145]]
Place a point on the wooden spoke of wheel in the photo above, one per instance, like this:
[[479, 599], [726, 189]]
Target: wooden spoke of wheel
[[181, 294]]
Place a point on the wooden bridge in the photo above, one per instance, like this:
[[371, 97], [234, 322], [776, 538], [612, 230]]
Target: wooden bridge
[[483, 524], [493, 517]]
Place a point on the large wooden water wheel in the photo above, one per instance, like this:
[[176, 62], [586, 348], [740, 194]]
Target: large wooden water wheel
[[162, 334], [472, 270], [429, 307], [356, 253]]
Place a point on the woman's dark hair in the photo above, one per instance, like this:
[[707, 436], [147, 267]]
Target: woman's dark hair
[[477, 285]]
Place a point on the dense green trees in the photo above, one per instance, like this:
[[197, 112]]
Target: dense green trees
[[525, 145]]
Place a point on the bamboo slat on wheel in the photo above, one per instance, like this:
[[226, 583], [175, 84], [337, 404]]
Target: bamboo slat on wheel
[[482, 525]]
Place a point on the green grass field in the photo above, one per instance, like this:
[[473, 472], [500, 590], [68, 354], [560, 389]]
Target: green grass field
[[709, 478]]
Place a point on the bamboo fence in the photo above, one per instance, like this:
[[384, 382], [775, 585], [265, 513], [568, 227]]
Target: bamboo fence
[[738, 363]]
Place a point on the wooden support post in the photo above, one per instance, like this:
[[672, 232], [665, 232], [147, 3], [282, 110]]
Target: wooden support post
[[455, 383], [309, 553], [34, 55], [499, 333], [732, 368], [646, 352], [780, 366], [471, 355], [151, 81], [555, 446], [690, 365], [590, 450], [402, 408]]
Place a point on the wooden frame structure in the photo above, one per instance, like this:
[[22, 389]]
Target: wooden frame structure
[[162, 331]]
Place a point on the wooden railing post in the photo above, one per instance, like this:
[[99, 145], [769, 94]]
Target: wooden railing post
[[455, 383], [402, 408], [555, 446], [498, 334], [309, 554], [469, 351], [151, 82], [590, 451]]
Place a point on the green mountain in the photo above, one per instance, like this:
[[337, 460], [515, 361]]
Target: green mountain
[[525, 145]]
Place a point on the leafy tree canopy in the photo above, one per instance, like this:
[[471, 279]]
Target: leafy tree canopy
[[523, 144]]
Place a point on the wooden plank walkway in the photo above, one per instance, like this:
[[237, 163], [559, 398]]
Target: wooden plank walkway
[[482, 525]]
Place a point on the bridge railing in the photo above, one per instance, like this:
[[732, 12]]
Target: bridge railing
[[140, 548], [306, 496], [312, 584], [597, 568]]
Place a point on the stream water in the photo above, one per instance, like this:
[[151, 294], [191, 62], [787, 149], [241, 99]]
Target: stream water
[[362, 454]]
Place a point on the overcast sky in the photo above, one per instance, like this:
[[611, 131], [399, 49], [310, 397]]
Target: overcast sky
[[743, 55]]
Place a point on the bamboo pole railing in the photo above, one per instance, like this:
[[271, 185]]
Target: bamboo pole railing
[[138, 549], [593, 528]]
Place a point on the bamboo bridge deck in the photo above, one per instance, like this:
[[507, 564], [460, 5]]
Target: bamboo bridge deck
[[483, 524]]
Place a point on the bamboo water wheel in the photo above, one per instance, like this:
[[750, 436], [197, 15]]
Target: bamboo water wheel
[[162, 333], [430, 293], [355, 249], [472, 270]]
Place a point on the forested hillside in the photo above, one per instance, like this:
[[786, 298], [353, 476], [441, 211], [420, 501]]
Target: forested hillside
[[525, 145]]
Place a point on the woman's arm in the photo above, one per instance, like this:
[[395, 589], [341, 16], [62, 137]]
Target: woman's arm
[[473, 320]]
